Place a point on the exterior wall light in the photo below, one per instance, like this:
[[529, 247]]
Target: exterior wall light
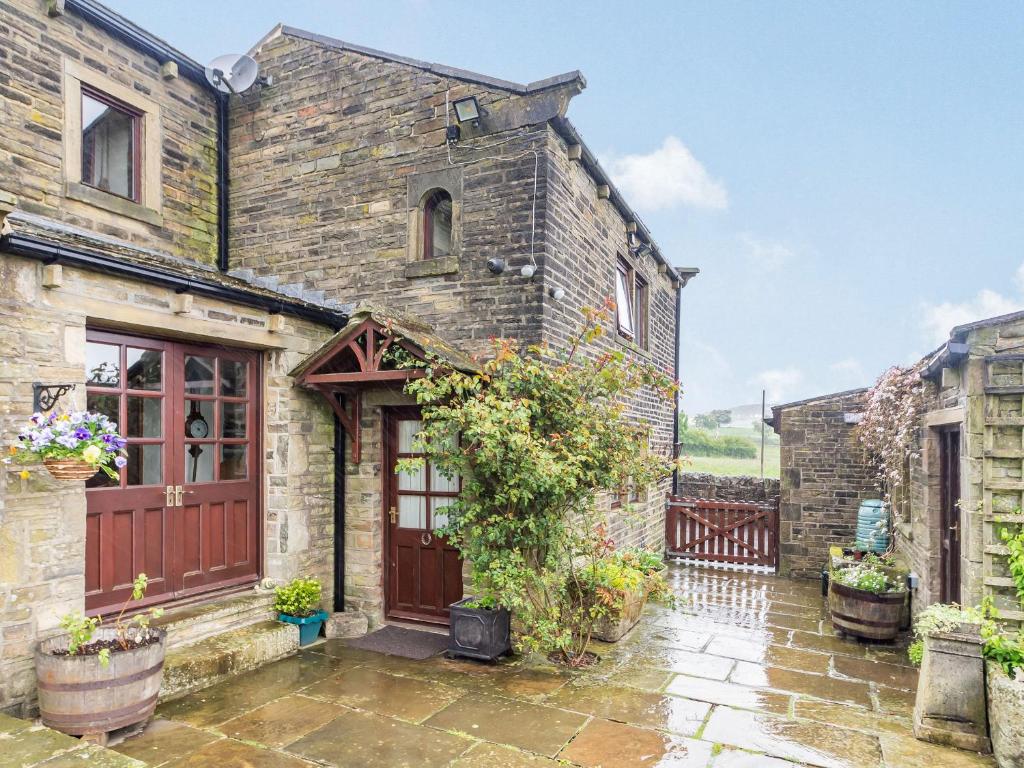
[[452, 134], [556, 293], [467, 110], [528, 271]]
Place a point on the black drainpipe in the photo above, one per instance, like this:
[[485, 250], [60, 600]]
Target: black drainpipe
[[339, 515], [675, 420], [222, 181]]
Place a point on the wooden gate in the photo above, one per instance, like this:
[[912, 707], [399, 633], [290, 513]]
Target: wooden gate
[[745, 532]]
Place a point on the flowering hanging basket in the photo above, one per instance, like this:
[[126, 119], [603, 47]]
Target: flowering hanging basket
[[70, 469], [72, 446]]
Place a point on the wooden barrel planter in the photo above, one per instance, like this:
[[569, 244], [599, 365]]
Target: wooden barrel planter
[[81, 697], [865, 614]]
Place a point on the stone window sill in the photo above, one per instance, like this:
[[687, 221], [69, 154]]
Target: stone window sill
[[100, 199], [446, 265], [632, 346]]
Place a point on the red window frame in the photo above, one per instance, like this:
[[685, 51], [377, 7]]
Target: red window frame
[[136, 116]]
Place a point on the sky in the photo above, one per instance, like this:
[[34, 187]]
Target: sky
[[848, 177]]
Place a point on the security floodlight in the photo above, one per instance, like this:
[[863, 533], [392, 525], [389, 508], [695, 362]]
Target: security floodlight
[[527, 271], [556, 293], [467, 110]]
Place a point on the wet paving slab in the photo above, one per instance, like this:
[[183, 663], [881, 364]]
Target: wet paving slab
[[746, 673]]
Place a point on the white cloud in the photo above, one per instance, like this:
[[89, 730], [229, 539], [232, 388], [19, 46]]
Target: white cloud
[[665, 178], [779, 383], [764, 254], [848, 373], [937, 320]]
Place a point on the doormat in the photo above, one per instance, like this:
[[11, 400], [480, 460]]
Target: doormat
[[399, 641]]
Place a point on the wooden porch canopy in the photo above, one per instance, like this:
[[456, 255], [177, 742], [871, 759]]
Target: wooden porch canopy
[[357, 357]]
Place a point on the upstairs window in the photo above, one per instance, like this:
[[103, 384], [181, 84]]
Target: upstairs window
[[631, 304], [437, 225], [111, 133]]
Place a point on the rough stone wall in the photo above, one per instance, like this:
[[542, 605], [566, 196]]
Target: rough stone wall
[[42, 521], [825, 475], [702, 485], [33, 51], [584, 236], [991, 480], [327, 169]]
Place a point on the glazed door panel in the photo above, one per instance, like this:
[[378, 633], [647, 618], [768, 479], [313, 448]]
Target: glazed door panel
[[184, 511], [949, 534], [424, 572]]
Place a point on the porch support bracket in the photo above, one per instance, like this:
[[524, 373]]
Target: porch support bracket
[[349, 413]]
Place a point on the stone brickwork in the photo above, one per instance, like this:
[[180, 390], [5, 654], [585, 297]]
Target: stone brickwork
[[825, 474], [702, 485], [35, 53], [42, 521]]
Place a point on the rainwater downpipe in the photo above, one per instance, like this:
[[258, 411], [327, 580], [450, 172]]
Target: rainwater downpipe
[[223, 180], [339, 515], [675, 420]]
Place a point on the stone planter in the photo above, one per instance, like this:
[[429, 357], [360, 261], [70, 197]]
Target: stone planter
[[950, 704], [1006, 715], [865, 614], [478, 633], [81, 697], [613, 627]]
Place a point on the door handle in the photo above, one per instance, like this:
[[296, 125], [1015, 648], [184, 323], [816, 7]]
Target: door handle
[[393, 512], [179, 494], [169, 495]]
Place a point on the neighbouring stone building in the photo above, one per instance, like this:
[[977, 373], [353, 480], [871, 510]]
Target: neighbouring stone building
[[823, 478], [965, 477], [220, 275]]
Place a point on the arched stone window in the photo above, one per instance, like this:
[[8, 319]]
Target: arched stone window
[[437, 224]]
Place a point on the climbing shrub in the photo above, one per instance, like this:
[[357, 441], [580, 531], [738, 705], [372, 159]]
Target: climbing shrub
[[1014, 541], [536, 434], [888, 430]]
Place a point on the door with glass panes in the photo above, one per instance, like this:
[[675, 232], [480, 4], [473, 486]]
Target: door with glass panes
[[185, 509], [424, 572]]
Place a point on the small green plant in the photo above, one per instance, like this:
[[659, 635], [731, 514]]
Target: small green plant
[[484, 603], [1015, 560], [866, 575], [81, 629], [940, 617], [300, 598], [642, 559]]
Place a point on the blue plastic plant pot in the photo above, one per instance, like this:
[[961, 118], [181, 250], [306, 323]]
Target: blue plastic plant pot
[[309, 626]]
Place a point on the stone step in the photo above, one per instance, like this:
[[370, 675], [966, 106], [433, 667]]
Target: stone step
[[194, 623], [198, 665]]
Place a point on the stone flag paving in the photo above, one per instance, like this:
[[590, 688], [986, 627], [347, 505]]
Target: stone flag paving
[[746, 673]]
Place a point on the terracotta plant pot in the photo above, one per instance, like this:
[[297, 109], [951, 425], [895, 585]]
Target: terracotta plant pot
[[81, 697], [70, 469]]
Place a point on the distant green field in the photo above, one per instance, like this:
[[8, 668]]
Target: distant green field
[[725, 465]]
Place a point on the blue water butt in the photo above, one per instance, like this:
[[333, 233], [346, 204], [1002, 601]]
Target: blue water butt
[[872, 526]]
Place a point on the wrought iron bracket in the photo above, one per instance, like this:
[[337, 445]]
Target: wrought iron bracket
[[46, 396]]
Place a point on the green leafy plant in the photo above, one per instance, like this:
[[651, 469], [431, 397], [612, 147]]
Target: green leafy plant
[[300, 597], [537, 435], [81, 629], [1014, 542], [1004, 649], [866, 575]]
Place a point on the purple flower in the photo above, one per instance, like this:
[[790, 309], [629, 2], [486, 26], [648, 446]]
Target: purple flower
[[120, 461], [82, 433], [68, 441]]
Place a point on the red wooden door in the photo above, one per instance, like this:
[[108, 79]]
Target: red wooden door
[[185, 509], [424, 572]]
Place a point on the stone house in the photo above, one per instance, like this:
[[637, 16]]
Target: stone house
[[220, 274], [965, 477]]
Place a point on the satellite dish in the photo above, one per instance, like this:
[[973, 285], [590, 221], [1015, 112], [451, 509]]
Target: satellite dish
[[232, 73]]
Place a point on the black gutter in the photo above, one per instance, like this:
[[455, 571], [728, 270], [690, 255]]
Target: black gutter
[[136, 37], [50, 253], [339, 515], [222, 182], [119, 27]]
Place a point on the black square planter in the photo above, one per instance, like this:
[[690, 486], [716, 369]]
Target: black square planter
[[478, 633]]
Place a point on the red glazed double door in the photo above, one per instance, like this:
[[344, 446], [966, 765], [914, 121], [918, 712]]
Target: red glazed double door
[[185, 509]]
